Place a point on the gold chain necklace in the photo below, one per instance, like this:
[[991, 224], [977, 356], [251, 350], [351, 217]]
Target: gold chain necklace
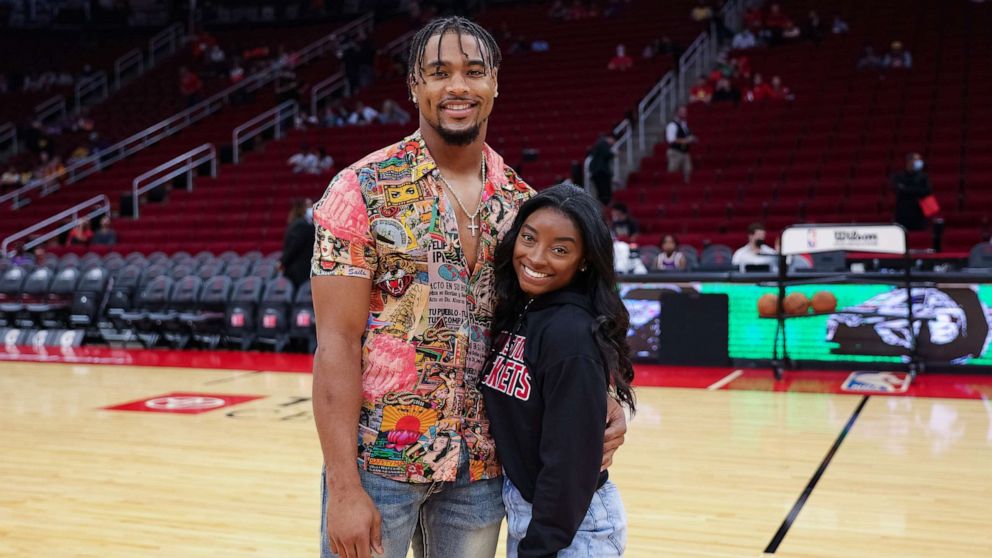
[[471, 216]]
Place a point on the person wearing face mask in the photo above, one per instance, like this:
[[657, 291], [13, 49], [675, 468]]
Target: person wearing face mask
[[755, 252], [297, 246], [911, 186]]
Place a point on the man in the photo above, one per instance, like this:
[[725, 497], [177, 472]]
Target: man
[[898, 57], [621, 223], [601, 168], [755, 252], [680, 140], [911, 186], [402, 288]]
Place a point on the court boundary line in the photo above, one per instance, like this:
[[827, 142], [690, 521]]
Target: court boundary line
[[801, 501], [725, 380]]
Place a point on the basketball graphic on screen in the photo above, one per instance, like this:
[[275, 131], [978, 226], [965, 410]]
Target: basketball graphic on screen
[[796, 304], [824, 301], [767, 305]]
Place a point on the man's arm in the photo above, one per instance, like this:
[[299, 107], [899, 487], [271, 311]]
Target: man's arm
[[341, 305]]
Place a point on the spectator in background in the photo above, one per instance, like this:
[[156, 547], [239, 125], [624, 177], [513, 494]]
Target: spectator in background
[[190, 86], [216, 57], [760, 90], [701, 12], [813, 29], [680, 140], [670, 259], [839, 26], [305, 161], [363, 115], [775, 24], [911, 186], [601, 168], [725, 92], [297, 244], [10, 180], [332, 117], [622, 225], [620, 61], [755, 252], [898, 58], [779, 92], [324, 161], [104, 235], [702, 92], [869, 60], [744, 40], [558, 11], [80, 235], [391, 113]]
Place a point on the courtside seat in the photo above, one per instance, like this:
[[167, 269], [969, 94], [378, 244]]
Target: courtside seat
[[273, 314], [242, 310], [171, 322], [52, 311], [303, 327], [88, 299], [153, 299], [11, 287], [206, 322]]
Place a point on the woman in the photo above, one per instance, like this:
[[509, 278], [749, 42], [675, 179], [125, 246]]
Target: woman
[[297, 244], [562, 350], [670, 259]]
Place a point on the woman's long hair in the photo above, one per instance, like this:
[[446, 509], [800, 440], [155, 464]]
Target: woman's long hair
[[598, 281]]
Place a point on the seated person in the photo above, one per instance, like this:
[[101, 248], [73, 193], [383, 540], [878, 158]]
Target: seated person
[[760, 91], [779, 92], [670, 259], [391, 113], [621, 223], [305, 162], [620, 61], [744, 40], [725, 92], [897, 58], [755, 252], [702, 92], [363, 115]]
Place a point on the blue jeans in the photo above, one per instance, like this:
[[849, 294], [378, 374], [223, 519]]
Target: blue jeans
[[442, 519], [603, 531]]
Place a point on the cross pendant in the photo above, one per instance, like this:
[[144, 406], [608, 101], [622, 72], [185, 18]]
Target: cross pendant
[[473, 227]]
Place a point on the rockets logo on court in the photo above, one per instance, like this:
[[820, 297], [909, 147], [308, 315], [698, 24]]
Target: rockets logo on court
[[184, 403], [509, 374]]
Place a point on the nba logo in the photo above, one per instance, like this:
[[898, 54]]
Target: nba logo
[[269, 321], [238, 320], [811, 238]]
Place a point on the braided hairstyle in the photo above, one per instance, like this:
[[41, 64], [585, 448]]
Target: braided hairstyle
[[491, 55]]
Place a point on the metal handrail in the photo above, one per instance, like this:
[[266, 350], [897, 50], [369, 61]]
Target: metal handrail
[[131, 59], [325, 88], [8, 133], [337, 82], [322, 45], [87, 86], [168, 39], [272, 118], [399, 44], [692, 57], [183, 164], [103, 207], [54, 106], [658, 101], [155, 133]]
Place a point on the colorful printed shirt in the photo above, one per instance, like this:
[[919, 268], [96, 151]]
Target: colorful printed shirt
[[385, 218]]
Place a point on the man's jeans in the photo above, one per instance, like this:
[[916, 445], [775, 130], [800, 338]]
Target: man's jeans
[[442, 519]]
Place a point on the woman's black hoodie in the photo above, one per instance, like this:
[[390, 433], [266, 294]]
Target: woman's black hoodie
[[545, 389]]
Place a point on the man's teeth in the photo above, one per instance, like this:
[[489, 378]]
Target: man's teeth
[[457, 107], [530, 272]]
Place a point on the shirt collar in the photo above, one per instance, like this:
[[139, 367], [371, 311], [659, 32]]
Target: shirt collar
[[424, 164]]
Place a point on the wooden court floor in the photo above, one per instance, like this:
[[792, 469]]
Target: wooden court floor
[[704, 473]]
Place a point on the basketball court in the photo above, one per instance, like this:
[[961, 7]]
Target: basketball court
[[124, 454]]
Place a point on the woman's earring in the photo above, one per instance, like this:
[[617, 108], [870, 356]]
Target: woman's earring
[[584, 268]]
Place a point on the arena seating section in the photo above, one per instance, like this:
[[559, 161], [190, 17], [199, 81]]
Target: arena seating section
[[155, 97], [828, 156], [245, 207]]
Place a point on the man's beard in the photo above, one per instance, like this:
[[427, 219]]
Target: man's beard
[[459, 138]]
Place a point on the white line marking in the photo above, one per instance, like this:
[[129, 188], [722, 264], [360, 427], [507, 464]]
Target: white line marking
[[725, 380]]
